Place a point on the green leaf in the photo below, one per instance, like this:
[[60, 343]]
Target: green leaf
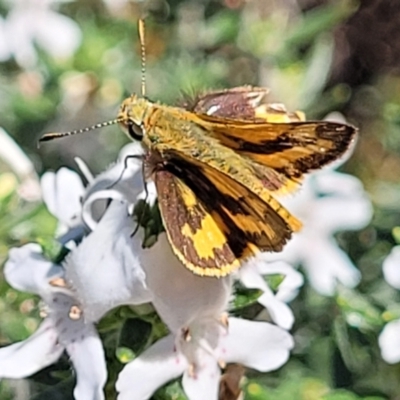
[[134, 335], [149, 218], [396, 234], [317, 71], [289, 388], [274, 280], [345, 395], [172, 391], [224, 27], [61, 391], [8, 185], [392, 313], [357, 310], [245, 297], [318, 20], [52, 249]]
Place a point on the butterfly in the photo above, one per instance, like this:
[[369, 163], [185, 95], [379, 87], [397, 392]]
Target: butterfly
[[218, 166]]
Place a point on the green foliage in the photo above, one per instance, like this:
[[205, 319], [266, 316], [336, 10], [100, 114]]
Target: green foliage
[[203, 45]]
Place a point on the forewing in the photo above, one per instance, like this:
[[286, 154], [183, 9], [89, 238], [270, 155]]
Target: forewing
[[291, 148], [214, 222], [196, 239]]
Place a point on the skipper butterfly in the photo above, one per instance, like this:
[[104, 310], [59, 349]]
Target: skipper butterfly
[[218, 166]]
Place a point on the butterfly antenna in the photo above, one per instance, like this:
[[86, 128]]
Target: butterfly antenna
[[50, 136], [141, 28]]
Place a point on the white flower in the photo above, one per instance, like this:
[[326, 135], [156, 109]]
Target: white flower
[[4, 48], [179, 296], [389, 342], [191, 306], [77, 207], [389, 339], [31, 22], [18, 161], [64, 327], [116, 6], [100, 273], [391, 268], [251, 275], [199, 351], [202, 339], [122, 181], [62, 193], [103, 271], [328, 202]]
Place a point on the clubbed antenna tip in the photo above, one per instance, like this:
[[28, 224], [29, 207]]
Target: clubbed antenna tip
[[50, 136]]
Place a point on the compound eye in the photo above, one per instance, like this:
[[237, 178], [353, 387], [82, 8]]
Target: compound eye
[[135, 132]]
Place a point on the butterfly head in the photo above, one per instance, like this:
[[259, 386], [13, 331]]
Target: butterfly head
[[131, 116]]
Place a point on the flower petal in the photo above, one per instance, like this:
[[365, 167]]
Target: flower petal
[[103, 271], [328, 201], [28, 271], [13, 155], [280, 313], [257, 345], [4, 48], [342, 213], [205, 383], [22, 359], [82, 343], [156, 366], [391, 268], [96, 205], [84, 169], [291, 253], [57, 34], [187, 296], [337, 183], [289, 287], [120, 182], [389, 342], [62, 192], [341, 202], [123, 178], [87, 356], [19, 33], [326, 264]]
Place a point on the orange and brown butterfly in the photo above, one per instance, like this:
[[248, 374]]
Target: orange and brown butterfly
[[218, 167]]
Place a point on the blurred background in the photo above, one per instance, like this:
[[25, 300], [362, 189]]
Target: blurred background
[[68, 64]]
